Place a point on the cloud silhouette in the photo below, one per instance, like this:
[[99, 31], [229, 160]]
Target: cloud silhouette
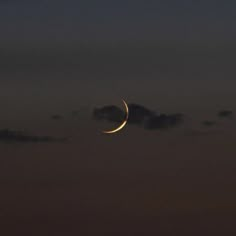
[[225, 114], [208, 123], [163, 121], [138, 115], [109, 113], [7, 135], [56, 117]]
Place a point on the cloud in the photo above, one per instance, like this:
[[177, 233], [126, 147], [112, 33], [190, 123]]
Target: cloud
[[7, 135], [138, 115], [164, 121], [56, 117], [208, 123], [225, 114], [109, 113]]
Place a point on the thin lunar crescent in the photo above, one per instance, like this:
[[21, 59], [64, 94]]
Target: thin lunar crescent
[[124, 122]]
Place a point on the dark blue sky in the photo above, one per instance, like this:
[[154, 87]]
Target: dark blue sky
[[115, 20]]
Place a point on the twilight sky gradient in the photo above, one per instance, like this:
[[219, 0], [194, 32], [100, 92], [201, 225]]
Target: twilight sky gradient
[[66, 58]]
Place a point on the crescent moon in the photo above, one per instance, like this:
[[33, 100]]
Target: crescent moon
[[124, 122]]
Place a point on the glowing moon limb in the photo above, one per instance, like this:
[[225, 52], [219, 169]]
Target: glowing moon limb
[[124, 122]]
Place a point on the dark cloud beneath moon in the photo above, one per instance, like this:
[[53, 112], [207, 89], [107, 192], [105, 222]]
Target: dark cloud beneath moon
[[7, 135], [138, 115]]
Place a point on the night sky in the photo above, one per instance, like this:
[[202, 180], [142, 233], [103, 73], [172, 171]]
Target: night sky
[[65, 67]]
